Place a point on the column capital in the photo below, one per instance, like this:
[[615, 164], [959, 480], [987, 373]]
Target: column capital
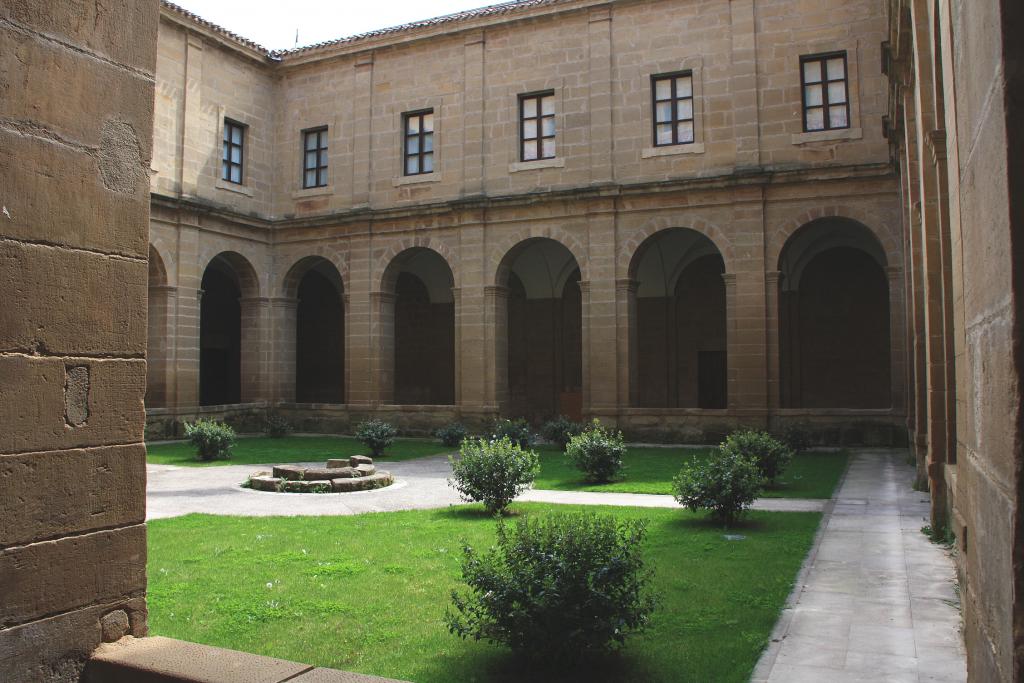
[[773, 277], [495, 291], [893, 272], [729, 279], [285, 302], [627, 285], [584, 286], [382, 297]]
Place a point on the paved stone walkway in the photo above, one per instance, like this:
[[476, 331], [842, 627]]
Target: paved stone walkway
[[419, 484], [876, 600]]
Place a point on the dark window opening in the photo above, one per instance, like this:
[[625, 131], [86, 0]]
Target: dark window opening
[[673, 108], [826, 95], [418, 146], [234, 151], [537, 126], [314, 158]]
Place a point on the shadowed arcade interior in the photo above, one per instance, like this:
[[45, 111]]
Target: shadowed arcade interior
[[319, 333], [680, 322], [834, 318]]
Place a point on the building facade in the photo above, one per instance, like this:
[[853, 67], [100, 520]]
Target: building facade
[[675, 216]]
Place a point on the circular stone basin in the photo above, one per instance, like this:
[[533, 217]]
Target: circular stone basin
[[339, 476]]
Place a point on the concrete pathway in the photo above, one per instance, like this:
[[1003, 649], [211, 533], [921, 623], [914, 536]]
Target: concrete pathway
[[876, 600], [419, 484]]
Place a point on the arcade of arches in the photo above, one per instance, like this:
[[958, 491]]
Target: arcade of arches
[[531, 344]]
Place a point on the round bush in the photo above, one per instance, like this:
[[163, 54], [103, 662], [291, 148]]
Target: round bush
[[277, 427], [493, 472], [376, 435], [213, 440], [724, 484], [560, 430], [517, 431], [771, 455], [451, 435], [556, 589], [597, 452], [797, 437]]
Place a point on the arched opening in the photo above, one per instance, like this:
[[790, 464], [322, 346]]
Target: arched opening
[[319, 331], [157, 333], [544, 331], [834, 332], [680, 335], [418, 291], [225, 280]]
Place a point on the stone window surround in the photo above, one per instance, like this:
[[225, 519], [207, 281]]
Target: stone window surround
[[221, 184], [557, 87], [853, 54], [295, 151], [399, 110], [695, 65]]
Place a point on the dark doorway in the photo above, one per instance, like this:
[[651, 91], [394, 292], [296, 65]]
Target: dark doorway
[[320, 338], [220, 335]]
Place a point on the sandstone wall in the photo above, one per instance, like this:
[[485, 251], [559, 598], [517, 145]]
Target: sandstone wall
[[76, 118]]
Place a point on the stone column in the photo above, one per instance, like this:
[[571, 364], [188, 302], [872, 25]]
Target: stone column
[[383, 306], [731, 345], [496, 331], [195, 142], [743, 84], [897, 337], [627, 352], [600, 105], [255, 363], [284, 320], [161, 303], [362, 105], [473, 115], [772, 279]]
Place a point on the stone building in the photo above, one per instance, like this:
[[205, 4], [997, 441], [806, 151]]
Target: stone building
[[673, 215]]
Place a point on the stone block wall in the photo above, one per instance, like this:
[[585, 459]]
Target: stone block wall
[[76, 119]]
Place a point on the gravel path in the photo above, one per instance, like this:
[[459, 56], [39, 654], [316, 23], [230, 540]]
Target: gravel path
[[419, 484]]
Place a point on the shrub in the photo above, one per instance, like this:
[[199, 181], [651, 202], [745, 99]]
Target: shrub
[[771, 455], [517, 431], [277, 427], [559, 430], [451, 435], [493, 472], [597, 452], [213, 440], [797, 437], [376, 435], [725, 484], [556, 589]]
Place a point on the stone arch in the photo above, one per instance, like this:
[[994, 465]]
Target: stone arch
[[835, 330], [388, 257], [627, 253], [248, 278], [778, 239], [314, 302], [287, 285], [157, 332], [504, 251], [678, 331]]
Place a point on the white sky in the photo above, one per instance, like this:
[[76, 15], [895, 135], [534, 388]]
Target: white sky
[[272, 23]]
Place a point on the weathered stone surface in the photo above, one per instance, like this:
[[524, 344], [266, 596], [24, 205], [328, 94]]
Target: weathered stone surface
[[76, 571], [310, 486], [360, 460], [264, 483], [330, 473], [374, 481], [289, 471], [365, 470], [115, 625], [95, 488]]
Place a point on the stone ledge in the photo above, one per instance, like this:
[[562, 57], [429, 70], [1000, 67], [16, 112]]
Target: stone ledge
[[165, 660]]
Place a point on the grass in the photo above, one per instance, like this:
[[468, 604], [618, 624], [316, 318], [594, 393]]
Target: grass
[[650, 470], [260, 450], [368, 593]]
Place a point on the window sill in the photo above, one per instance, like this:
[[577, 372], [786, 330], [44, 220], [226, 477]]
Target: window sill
[[313, 192], [828, 135], [557, 162], [672, 150], [416, 179], [233, 187]]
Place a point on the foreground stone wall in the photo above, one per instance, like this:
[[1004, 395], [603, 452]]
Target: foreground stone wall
[[76, 111]]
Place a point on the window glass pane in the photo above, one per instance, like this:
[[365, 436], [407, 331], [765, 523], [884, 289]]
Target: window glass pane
[[529, 129], [684, 86], [547, 105], [529, 151], [684, 110], [227, 151], [812, 72], [310, 160], [310, 179], [837, 117], [323, 176], [549, 148], [236, 174], [685, 131], [815, 119], [412, 165], [412, 124], [225, 173], [836, 70], [837, 92], [663, 112], [663, 89], [547, 126], [428, 142], [812, 95], [428, 123], [664, 134], [529, 108], [311, 141], [236, 135], [428, 163], [236, 155], [412, 145], [227, 132]]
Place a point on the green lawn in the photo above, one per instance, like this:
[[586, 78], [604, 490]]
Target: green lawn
[[260, 450], [650, 470], [368, 593]]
